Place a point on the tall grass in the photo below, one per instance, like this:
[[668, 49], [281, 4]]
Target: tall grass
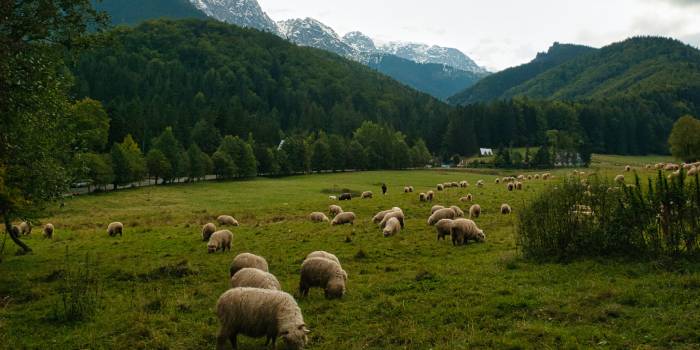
[[79, 289], [585, 217]]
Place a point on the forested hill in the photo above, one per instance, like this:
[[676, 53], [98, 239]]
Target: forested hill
[[174, 73], [634, 67], [135, 11]]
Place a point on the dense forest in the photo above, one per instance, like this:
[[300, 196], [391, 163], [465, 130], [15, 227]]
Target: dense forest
[[135, 11]]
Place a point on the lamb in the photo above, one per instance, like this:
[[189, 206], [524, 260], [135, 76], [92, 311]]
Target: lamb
[[256, 312], [430, 195], [207, 231], [397, 214], [440, 187], [345, 197], [392, 227], [227, 220], [506, 209], [220, 240], [322, 254], [48, 231], [324, 273], [247, 260], [335, 210], [436, 208], [254, 278], [367, 194], [620, 179], [115, 228], [318, 217], [422, 197], [458, 211], [475, 211], [347, 217], [468, 198], [446, 213], [380, 215], [443, 228], [464, 230]]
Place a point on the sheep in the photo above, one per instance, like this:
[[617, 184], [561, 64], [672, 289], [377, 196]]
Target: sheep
[[324, 273], [521, 177], [115, 228], [227, 220], [367, 194], [620, 179], [411, 189], [468, 198], [506, 209], [48, 231], [464, 184], [693, 171], [537, 176], [25, 228], [318, 217], [546, 176], [334, 210], [446, 213], [256, 312], [207, 231], [529, 177], [464, 230], [458, 211], [671, 167], [628, 168], [454, 184], [510, 186], [406, 190], [220, 240], [475, 211], [392, 227], [498, 181], [322, 254], [380, 215], [244, 260], [333, 198], [347, 217], [396, 214], [422, 197], [443, 228], [254, 278], [440, 187], [436, 208], [659, 166], [519, 186], [430, 196], [480, 183], [345, 197]]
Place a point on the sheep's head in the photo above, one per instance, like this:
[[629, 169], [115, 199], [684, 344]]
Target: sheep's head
[[481, 236], [336, 286], [296, 337], [212, 248]]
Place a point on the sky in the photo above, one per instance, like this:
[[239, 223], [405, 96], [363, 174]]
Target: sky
[[498, 34]]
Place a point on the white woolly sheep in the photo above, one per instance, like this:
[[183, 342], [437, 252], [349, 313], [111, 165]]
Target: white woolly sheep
[[406, 190], [693, 171], [324, 273], [436, 208], [207, 231], [248, 260], [464, 230], [227, 220], [443, 228], [440, 187], [468, 198], [380, 215], [430, 196], [333, 198], [521, 177], [537, 176], [519, 186], [220, 240], [498, 181], [620, 179], [459, 213], [411, 189], [446, 213], [347, 217], [510, 186], [25, 228], [506, 209], [48, 231], [396, 214], [475, 211], [335, 210], [628, 168], [464, 184], [115, 228], [258, 313], [392, 227], [422, 197], [322, 254], [454, 184], [480, 183], [254, 278], [367, 194], [546, 176], [318, 217]]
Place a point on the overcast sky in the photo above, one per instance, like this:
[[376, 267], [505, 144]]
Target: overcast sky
[[500, 33]]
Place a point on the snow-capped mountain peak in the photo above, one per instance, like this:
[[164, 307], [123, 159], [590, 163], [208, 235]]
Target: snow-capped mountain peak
[[423, 53], [360, 42], [245, 13]]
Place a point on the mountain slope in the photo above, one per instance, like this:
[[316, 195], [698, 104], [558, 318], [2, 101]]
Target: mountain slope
[[135, 11], [496, 85], [244, 13], [312, 33], [422, 53]]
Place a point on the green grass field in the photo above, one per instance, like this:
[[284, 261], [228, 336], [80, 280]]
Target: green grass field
[[158, 286]]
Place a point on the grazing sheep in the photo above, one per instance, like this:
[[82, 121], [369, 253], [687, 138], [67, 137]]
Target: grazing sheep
[[333, 198], [465, 230], [440, 187], [257, 313], [380, 215], [454, 184], [324, 273], [446, 213], [511, 186], [367, 194], [334, 210], [671, 167], [519, 186], [628, 168], [254, 278], [458, 211], [537, 176], [506, 209], [436, 208], [422, 197], [546, 176], [345, 197], [227, 220], [249, 260], [464, 184], [25, 228], [498, 181], [521, 177], [318, 217], [220, 240], [347, 217], [443, 228], [397, 214], [411, 189], [529, 177], [392, 227], [115, 228], [475, 211], [620, 179], [480, 183], [48, 231], [468, 198], [207, 231], [406, 190], [322, 254], [430, 195], [693, 171]]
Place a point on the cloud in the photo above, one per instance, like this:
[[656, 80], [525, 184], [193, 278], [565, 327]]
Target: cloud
[[682, 3]]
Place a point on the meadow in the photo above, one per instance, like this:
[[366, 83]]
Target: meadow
[[156, 287]]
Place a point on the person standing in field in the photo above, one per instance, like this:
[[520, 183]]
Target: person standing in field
[[384, 189]]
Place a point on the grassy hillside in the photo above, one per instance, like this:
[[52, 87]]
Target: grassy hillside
[[158, 286]]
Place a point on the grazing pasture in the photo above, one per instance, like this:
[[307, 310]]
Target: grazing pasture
[[156, 287]]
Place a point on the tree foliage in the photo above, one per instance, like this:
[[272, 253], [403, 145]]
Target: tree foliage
[[685, 139]]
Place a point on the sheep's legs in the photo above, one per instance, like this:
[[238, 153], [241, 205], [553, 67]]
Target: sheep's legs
[[222, 339]]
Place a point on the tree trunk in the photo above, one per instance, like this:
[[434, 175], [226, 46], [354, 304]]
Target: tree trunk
[[14, 237]]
